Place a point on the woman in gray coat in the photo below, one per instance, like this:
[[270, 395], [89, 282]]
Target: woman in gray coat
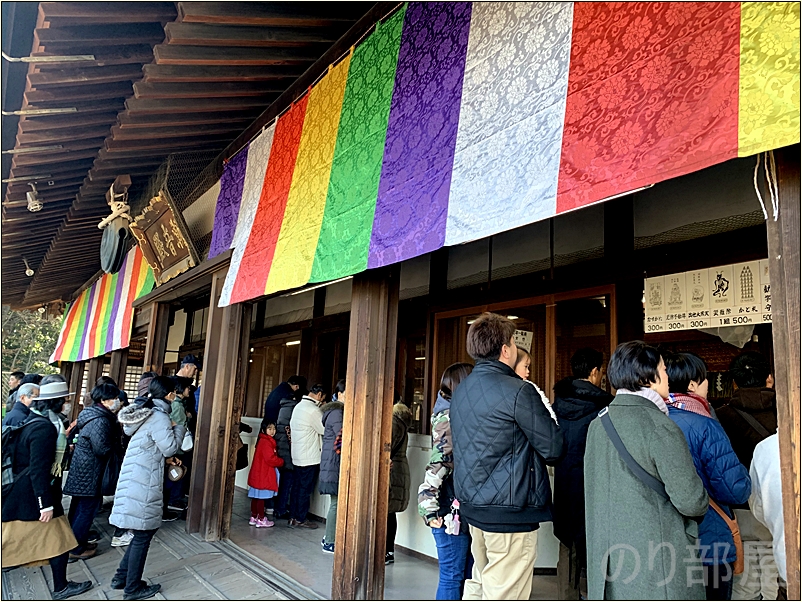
[[138, 499], [641, 544]]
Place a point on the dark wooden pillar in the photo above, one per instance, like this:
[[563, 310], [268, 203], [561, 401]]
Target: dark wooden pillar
[[221, 401], [65, 369], [156, 343], [94, 371], [367, 427], [783, 240], [118, 366], [76, 378]]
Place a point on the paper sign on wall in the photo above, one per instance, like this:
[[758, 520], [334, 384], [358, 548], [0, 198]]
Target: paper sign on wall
[[523, 339], [729, 295]]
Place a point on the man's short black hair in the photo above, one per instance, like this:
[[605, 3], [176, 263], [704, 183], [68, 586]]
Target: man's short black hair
[[297, 380], [317, 388], [104, 392], [584, 361], [750, 370], [682, 368], [633, 365], [31, 378], [17, 374]]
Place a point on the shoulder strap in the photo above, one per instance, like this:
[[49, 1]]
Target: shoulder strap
[[636, 468], [761, 430]]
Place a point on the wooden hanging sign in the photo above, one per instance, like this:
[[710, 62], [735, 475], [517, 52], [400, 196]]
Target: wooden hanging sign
[[163, 237]]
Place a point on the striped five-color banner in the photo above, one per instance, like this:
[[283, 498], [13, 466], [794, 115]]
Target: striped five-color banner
[[452, 122], [100, 319]]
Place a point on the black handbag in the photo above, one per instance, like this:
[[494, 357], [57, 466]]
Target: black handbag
[[111, 474], [242, 457]]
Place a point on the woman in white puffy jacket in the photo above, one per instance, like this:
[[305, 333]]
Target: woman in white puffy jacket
[[139, 496]]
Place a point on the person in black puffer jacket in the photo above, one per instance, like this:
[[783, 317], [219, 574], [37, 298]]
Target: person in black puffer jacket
[[97, 438], [283, 443], [577, 401], [503, 438]]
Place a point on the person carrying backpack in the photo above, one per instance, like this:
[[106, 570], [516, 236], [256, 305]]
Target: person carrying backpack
[[34, 527]]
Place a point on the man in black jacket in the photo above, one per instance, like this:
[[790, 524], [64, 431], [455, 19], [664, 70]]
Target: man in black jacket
[[285, 390], [577, 401], [503, 437], [26, 393]]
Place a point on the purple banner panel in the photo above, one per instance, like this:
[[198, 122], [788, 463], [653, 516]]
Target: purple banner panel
[[412, 204], [227, 208]]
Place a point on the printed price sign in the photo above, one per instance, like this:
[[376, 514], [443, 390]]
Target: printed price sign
[[730, 295]]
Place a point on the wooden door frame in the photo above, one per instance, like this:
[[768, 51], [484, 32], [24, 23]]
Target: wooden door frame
[[549, 301]]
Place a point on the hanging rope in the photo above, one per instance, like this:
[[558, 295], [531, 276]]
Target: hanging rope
[[757, 189], [771, 178]]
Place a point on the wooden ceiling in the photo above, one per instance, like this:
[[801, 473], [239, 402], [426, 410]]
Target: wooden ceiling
[[165, 78]]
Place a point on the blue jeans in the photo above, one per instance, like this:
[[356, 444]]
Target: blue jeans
[[456, 562], [303, 485]]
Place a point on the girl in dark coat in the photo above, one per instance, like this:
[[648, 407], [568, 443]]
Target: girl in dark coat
[[329, 479], [263, 477], [34, 526], [98, 438], [399, 475]]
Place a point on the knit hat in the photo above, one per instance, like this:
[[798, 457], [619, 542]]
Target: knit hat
[[143, 386]]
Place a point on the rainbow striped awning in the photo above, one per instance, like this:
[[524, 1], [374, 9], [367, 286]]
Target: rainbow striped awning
[[100, 319], [452, 122]]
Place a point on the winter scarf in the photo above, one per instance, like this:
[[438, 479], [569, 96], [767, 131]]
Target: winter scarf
[[690, 402], [649, 394], [61, 441]]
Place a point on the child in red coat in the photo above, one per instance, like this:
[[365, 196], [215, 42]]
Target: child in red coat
[[264, 475]]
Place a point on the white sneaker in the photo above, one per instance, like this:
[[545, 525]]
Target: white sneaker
[[122, 540]]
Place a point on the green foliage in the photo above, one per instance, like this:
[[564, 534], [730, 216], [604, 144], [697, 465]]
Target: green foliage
[[28, 340]]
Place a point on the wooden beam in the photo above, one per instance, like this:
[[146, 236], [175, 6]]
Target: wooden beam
[[110, 34], [180, 105], [219, 73], [121, 134], [79, 92], [48, 136], [89, 75], [203, 34], [114, 55], [270, 14], [358, 572], [156, 344], [215, 55], [784, 270], [115, 12], [149, 120], [204, 90], [73, 120]]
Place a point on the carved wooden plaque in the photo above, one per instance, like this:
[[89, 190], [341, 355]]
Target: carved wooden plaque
[[164, 240]]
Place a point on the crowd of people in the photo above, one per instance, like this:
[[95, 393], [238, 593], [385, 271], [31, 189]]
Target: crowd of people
[[653, 495], [657, 494], [137, 452]]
